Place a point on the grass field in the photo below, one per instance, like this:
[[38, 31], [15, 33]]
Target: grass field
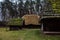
[[26, 34]]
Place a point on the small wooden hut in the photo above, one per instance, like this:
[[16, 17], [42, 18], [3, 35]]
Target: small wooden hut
[[50, 24]]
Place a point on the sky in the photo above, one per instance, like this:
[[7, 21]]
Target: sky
[[1, 0]]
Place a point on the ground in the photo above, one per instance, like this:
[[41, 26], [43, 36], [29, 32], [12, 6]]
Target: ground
[[26, 34]]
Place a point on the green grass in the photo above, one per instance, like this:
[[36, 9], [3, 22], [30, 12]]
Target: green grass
[[26, 34]]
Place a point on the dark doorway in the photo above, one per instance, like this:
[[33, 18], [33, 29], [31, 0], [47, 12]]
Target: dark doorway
[[51, 24]]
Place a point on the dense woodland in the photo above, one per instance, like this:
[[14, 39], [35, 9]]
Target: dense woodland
[[16, 9]]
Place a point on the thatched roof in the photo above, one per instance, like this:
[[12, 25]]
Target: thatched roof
[[31, 19]]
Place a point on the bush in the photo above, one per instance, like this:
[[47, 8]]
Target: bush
[[16, 21]]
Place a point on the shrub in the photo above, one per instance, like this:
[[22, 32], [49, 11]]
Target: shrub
[[16, 21]]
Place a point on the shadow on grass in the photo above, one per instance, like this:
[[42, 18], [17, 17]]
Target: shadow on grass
[[0, 38]]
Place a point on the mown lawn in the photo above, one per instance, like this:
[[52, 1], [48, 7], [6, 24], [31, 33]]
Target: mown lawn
[[26, 34]]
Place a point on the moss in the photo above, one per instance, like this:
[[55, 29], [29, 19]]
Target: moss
[[55, 5]]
